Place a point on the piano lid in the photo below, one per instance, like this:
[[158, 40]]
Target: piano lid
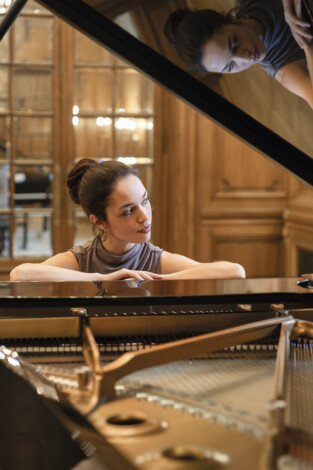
[[88, 17], [158, 291]]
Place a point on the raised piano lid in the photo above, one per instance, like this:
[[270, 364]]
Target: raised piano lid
[[89, 21]]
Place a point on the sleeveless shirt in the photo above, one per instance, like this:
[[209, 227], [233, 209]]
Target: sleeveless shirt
[[93, 258], [281, 47]]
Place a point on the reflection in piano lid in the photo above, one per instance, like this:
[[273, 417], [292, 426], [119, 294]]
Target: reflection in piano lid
[[89, 17]]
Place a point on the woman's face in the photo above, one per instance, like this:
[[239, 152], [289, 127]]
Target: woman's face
[[128, 216], [233, 48]]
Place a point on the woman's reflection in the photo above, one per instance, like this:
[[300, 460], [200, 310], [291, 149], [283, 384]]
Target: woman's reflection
[[125, 288], [255, 32]]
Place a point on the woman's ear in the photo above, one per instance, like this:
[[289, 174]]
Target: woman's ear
[[98, 222]]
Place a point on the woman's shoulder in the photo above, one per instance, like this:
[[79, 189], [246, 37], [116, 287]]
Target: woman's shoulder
[[149, 246]]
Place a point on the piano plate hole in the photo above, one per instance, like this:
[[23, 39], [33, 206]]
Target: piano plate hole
[[197, 457], [131, 424], [122, 420], [184, 454]]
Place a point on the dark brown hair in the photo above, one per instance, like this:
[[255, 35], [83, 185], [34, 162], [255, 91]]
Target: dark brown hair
[[188, 31], [90, 184]]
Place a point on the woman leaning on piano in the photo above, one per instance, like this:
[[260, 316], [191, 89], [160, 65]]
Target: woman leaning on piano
[[271, 33], [117, 204]]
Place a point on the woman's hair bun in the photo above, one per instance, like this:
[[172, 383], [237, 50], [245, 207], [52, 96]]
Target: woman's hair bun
[[172, 24], [75, 176]]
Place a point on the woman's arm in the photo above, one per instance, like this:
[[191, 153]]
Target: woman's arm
[[61, 267], [64, 267], [293, 17], [297, 77], [180, 267]]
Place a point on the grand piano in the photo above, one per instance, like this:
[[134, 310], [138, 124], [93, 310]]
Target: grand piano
[[203, 374]]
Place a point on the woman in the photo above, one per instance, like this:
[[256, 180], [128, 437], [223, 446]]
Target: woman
[[254, 33], [116, 202]]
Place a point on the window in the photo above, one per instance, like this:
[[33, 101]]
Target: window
[[62, 97], [26, 123]]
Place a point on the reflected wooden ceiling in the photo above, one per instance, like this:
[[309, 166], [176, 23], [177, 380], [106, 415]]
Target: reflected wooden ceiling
[[149, 18], [113, 8]]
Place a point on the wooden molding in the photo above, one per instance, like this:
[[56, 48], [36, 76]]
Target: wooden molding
[[251, 213], [258, 248], [302, 219]]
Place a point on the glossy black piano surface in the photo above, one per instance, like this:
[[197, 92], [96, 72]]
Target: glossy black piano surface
[[152, 297], [150, 291]]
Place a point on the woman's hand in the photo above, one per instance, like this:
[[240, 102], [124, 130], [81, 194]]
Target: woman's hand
[[299, 27], [308, 276], [130, 274]]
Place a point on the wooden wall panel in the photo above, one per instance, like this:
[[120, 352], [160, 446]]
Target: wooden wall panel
[[298, 230], [175, 175], [240, 172], [236, 173], [254, 243], [216, 198]]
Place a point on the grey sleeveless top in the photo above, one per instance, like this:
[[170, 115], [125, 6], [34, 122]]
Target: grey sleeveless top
[[93, 258], [281, 47]]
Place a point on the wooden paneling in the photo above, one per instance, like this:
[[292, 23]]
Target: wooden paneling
[[252, 238], [113, 8], [216, 198], [298, 230], [236, 174], [175, 175], [63, 136]]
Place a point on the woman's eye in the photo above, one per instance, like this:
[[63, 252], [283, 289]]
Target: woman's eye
[[128, 212], [145, 201], [235, 44]]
